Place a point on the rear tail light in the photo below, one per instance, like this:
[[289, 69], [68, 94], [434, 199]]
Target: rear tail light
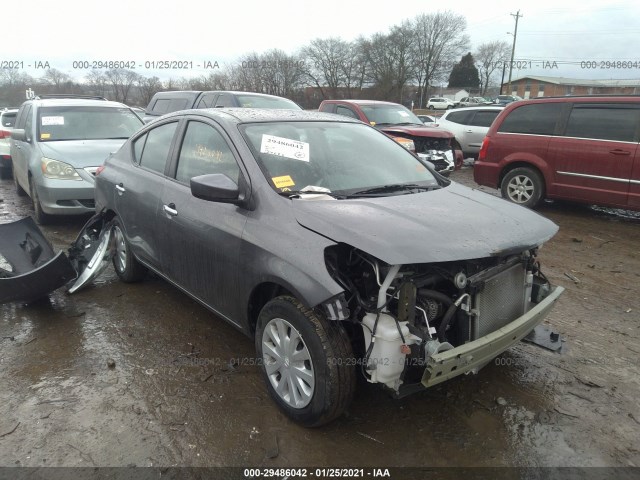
[[5, 133], [99, 170], [482, 155]]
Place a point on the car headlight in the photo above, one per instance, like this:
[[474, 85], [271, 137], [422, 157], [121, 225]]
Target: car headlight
[[58, 170], [406, 143]]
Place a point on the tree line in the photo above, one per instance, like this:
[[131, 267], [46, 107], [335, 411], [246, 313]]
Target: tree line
[[399, 65]]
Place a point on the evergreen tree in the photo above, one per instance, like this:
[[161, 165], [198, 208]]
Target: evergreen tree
[[465, 74]]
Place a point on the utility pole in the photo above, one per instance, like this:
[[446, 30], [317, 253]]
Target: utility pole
[[513, 49]]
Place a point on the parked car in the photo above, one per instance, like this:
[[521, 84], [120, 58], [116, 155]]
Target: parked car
[[7, 119], [165, 102], [469, 126], [506, 99], [403, 126], [314, 234], [473, 102], [583, 149], [57, 145], [439, 103], [427, 119]]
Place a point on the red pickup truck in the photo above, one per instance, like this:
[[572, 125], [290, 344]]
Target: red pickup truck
[[432, 144]]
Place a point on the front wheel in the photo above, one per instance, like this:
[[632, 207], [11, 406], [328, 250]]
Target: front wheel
[[307, 362], [431, 107], [523, 186], [125, 264], [40, 216]]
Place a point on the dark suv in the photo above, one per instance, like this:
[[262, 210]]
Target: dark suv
[[401, 124], [167, 102], [582, 149]]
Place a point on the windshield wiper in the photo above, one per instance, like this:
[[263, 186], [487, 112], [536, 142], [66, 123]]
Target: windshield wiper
[[398, 187]]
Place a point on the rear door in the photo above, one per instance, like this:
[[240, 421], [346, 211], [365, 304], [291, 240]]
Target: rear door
[[477, 128], [634, 184], [201, 238], [594, 158], [139, 190]]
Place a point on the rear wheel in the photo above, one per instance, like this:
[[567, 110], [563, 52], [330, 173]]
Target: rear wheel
[[523, 186], [306, 362], [431, 107], [125, 264], [5, 172]]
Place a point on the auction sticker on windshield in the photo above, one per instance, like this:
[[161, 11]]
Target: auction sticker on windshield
[[52, 120], [285, 147], [284, 181]]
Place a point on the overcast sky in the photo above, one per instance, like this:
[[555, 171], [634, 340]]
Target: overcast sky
[[64, 31]]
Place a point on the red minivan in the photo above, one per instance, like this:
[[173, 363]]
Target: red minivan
[[583, 149]]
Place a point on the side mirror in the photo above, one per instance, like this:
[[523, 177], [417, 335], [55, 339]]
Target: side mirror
[[19, 134], [215, 188]]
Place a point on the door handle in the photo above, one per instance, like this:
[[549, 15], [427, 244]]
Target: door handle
[[619, 151], [120, 188], [469, 131], [170, 209]]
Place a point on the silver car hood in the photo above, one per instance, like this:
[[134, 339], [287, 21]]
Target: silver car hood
[[453, 223], [81, 153]]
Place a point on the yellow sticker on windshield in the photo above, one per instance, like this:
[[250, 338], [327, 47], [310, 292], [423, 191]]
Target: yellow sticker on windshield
[[44, 136], [284, 181]]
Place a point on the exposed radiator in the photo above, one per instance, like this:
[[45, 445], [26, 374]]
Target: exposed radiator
[[501, 301]]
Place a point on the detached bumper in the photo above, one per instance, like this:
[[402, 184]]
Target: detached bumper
[[474, 355], [34, 268]]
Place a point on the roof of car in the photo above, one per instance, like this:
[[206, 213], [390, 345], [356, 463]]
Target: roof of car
[[474, 108], [81, 102], [365, 102], [242, 115]]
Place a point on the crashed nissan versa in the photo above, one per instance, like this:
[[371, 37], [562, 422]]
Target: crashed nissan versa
[[331, 245]]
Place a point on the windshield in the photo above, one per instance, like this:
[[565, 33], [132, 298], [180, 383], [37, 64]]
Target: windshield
[[257, 101], [86, 123], [334, 158], [389, 114]]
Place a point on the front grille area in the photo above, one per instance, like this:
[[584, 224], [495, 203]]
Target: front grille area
[[501, 301], [424, 144]]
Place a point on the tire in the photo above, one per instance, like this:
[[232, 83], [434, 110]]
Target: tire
[[40, 216], [523, 186], [5, 173], [19, 190], [431, 107], [325, 374], [126, 265]]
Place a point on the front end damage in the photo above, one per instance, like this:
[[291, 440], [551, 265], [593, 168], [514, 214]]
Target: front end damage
[[418, 325]]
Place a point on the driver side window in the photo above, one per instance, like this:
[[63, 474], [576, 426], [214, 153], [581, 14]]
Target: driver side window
[[204, 151]]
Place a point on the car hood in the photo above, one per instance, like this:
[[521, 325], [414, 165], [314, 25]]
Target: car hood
[[453, 223], [416, 131], [81, 153]]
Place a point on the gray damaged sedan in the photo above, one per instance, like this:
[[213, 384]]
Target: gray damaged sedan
[[331, 245]]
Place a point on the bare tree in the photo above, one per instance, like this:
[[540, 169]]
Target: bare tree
[[97, 81], [489, 57], [147, 88], [389, 61], [324, 64], [439, 41], [121, 82], [58, 80]]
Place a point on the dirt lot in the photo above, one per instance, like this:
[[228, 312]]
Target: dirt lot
[[182, 391]]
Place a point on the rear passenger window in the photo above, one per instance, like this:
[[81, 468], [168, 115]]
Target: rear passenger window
[[161, 106], [156, 148], [484, 118], [225, 100], [536, 119], [604, 122], [207, 101], [461, 117], [205, 151]]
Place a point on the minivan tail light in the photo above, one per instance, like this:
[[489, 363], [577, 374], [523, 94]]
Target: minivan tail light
[[482, 155], [99, 170], [5, 133]]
